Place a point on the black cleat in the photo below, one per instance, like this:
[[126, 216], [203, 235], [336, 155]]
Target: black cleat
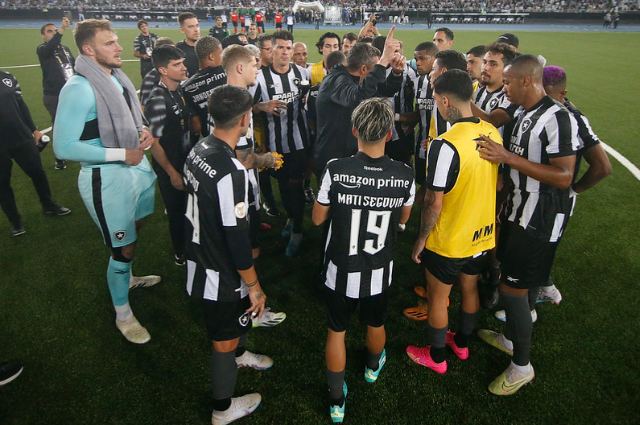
[[17, 229], [9, 371], [270, 209], [180, 260], [55, 209], [60, 164]]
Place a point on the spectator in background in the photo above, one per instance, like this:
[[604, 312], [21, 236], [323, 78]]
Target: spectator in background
[[190, 27], [443, 38], [143, 45]]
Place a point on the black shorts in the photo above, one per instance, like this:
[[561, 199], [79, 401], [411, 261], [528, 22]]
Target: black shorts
[[254, 227], [525, 261], [340, 308], [235, 24], [446, 269], [278, 25], [226, 320], [294, 166]]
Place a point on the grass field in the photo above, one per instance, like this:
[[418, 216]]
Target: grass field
[[57, 318]]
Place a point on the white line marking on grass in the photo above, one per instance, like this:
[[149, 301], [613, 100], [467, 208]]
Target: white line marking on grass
[[31, 66], [624, 161]]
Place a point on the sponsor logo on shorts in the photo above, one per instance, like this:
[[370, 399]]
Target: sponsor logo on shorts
[[244, 319], [120, 235], [7, 82]]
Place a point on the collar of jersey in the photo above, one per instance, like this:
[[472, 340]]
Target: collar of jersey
[[366, 158]]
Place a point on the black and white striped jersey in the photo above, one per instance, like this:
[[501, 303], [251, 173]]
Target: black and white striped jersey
[[287, 132], [545, 131], [403, 100], [248, 142], [366, 196], [425, 104], [217, 229], [490, 101], [197, 90]]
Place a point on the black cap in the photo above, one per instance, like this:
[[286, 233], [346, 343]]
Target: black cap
[[509, 38]]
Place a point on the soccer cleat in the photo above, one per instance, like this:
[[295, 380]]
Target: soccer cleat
[[180, 260], [309, 196], [502, 316], [462, 353], [371, 375], [549, 293], [286, 230], [133, 331], [270, 209], [143, 281], [60, 164], [254, 361], [422, 356], [421, 291], [240, 407], [9, 371], [510, 381], [269, 319], [495, 339], [55, 209], [17, 229], [337, 412], [293, 248]]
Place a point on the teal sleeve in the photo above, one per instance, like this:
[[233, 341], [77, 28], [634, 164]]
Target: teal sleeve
[[76, 106]]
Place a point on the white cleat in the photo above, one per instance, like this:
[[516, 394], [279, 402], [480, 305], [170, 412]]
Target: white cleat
[[240, 407], [502, 316], [269, 319], [254, 361], [133, 330], [143, 281], [549, 293]]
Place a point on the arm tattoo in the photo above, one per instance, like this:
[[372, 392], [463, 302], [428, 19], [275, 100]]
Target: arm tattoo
[[428, 218], [265, 160], [246, 157]]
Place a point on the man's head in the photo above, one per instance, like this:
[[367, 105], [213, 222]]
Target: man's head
[[265, 44], [328, 42], [96, 40], [282, 48], [378, 42], [474, 61], [300, 54], [253, 31], [554, 80], [361, 59], [230, 108], [48, 31], [498, 56], [372, 121], [238, 61], [209, 51], [452, 91], [348, 41], [169, 62], [219, 22], [335, 58], [189, 26], [164, 41], [425, 54], [232, 39], [510, 39], [143, 26], [443, 38], [522, 80], [447, 60]]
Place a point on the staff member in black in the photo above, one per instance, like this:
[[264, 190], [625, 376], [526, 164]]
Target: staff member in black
[[143, 46], [168, 118], [57, 64], [17, 134]]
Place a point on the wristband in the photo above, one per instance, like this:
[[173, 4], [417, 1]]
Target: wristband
[[115, 155], [252, 284]]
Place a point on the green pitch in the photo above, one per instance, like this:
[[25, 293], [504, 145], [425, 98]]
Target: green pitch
[[57, 317]]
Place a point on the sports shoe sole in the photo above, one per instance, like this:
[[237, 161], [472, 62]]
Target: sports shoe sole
[[12, 377], [134, 332]]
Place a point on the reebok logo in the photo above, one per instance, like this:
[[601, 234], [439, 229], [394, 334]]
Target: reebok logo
[[512, 279]]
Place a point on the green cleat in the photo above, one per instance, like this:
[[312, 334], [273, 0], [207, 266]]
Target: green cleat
[[510, 381], [494, 339]]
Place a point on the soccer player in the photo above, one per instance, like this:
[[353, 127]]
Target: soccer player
[[291, 20], [252, 38], [199, 87], [348, 41], [287, 131], [100, 124], [19, 136], [474, 64], [300, 54], [56, 61], [541, 158], [457, 220], [328, 42], [153, 77], [220, 272], [510, 39], [143, 45], [277, 20], [190, 27], [218, 31], [345, 88], [490, 95], [260, 22], [234, 21], [443, 38], [168, 117], [358, 256]]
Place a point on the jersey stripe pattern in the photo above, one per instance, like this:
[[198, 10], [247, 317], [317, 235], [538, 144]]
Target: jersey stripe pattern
[[545, 131], [403, 100], [366, 197], [248, 142], [197, 90], [288, 132], [489, 101], [424, 104], [217, 228]]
